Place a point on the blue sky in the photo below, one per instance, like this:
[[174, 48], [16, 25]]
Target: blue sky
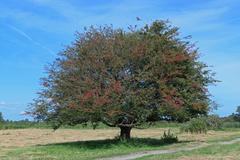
[[32, 32]]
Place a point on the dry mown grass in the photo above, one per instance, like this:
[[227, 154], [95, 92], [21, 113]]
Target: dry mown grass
[[14, 142], [30, 137]]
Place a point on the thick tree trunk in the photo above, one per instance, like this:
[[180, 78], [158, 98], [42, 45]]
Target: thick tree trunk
[[125, 132]]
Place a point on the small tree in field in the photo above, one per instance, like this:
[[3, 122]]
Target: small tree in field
[[236, 116], [1, 117], [124, 79], [238, 110]]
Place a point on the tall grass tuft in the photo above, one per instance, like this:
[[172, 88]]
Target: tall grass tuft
[[169, 137]]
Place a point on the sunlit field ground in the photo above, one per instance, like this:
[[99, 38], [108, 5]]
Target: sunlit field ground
[[85, 144]]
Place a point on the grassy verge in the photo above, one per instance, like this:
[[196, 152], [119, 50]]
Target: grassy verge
[[87, 147], [86, 150], [213, 152]]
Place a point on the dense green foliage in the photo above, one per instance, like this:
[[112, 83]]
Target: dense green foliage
[[236, 115], [202, 124], [231, 124], [233, 120], [1, 117], [22, 124], [25, 124], [213, 122], [169, 137], [195, 125], [124, 79]]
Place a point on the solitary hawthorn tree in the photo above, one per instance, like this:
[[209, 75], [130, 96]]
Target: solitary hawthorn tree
[[124, 79]]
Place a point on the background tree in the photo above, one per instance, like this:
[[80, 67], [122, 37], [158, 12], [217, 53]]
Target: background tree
[[124, 79], [238, 110], [1, 117], [236, 115]]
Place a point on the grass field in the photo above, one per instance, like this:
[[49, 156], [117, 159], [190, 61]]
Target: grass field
[[213, 152], [85, 144]]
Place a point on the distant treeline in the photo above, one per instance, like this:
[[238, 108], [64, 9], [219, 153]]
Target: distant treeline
[[227, 122], [23, 124], [232, 121]]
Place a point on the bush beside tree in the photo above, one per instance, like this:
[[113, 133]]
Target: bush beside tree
[[202, 124]]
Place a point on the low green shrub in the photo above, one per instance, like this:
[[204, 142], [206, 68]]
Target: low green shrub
[[169, 137], [202, 124], [195, 125], [214, 122]]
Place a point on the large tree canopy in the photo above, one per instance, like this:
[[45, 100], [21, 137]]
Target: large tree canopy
[[124, 79]]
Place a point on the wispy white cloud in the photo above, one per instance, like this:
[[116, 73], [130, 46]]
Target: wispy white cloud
[[195, 19], [22, 33], [5, 105], [2, 103], [23, 113], [200, 20], [74, 15]]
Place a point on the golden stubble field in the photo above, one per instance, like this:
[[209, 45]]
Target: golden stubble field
[[31, 137], [17, 143]]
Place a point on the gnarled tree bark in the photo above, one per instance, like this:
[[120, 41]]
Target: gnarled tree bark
[[125, 132]]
